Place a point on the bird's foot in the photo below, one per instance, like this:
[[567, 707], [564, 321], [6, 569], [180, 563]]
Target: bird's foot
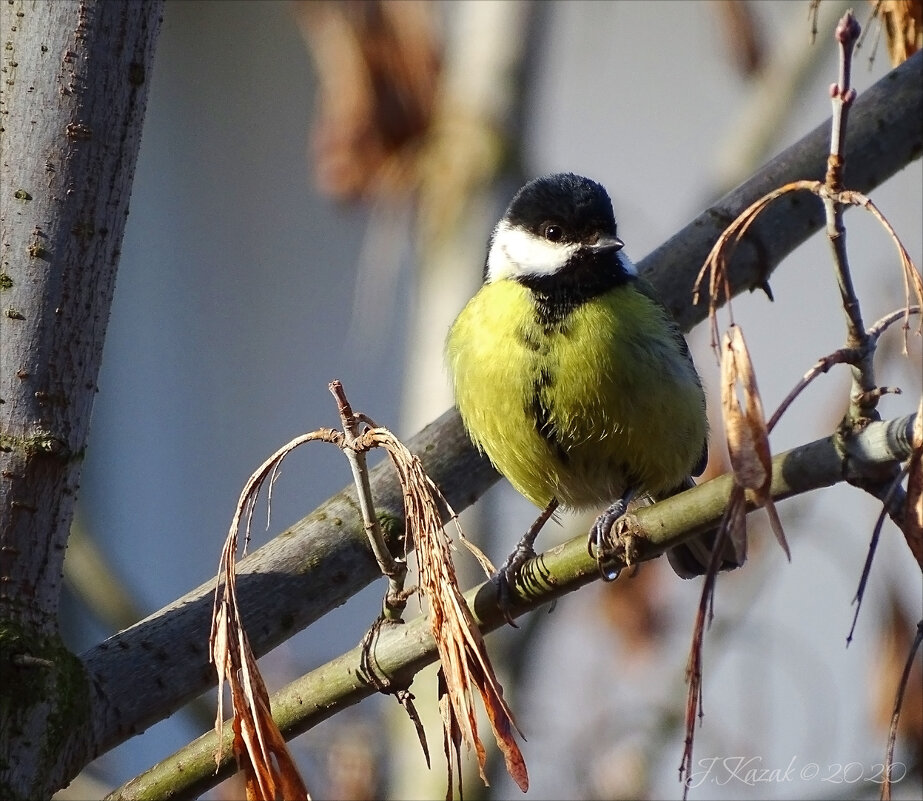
[[506, 575], [612, 540], [509, 570]]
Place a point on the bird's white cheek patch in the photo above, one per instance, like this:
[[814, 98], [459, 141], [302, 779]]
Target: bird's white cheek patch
[[515, 252]]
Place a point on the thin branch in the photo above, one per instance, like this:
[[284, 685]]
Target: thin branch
[[394, 569], [894, 489], [822, 365], [842, 94], [842, 97], [880, 326], [840, 356], [896, 713]]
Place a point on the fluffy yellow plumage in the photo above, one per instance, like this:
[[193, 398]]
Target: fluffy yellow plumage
[[580, 410], [569, 374]]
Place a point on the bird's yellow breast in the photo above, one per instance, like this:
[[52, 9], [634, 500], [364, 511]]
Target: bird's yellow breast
[[580, 407]]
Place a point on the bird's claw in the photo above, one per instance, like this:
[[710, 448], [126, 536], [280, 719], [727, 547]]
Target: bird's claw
[[505, 577], [612, 540]]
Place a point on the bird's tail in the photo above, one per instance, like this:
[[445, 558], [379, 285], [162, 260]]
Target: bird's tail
[[692, 558]]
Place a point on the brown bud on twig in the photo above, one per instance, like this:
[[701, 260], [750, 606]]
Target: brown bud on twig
[[848, 29]]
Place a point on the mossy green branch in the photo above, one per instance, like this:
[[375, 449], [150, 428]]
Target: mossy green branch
[[39, 672]]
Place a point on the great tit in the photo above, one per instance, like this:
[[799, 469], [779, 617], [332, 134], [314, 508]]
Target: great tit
[[570, 374]]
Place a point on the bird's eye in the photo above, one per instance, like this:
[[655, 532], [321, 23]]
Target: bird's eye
[[552, 232]]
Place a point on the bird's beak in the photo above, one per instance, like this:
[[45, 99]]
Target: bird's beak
[[607, 244]]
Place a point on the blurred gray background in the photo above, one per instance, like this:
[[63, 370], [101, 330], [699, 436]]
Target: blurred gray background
[[236, 304]]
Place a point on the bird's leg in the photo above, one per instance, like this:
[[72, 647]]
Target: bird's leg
[[600, 542], [522, 553]]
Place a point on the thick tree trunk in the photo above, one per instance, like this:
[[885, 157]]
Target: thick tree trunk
[[74, 89]]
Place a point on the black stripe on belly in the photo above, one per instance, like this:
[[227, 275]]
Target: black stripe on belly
[[540, 407]]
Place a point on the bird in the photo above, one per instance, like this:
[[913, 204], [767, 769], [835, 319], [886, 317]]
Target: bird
[[570, 374]]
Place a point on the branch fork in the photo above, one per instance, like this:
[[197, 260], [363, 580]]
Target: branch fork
[[858, 352]]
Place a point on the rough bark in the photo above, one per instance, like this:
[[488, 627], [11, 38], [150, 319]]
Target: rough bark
[[74, 89]]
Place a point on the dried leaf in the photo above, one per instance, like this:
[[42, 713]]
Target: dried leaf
[[451, 739], [378, 65], [745, 426], [259, 746], [907, 698], [903, 24], [734, 520], [776, 524], [747, 438], [735, 523], [913, 282], [743, 36], [465, 665], [895, 671]]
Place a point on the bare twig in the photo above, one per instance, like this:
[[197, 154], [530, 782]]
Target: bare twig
[[842, 96], [858, 352], [896, 714], [841, 356], [894, 489], [822, 365], [394, 569], [882, 325]]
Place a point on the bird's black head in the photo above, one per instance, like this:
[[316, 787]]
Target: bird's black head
[[564, 208], [558, 238]]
